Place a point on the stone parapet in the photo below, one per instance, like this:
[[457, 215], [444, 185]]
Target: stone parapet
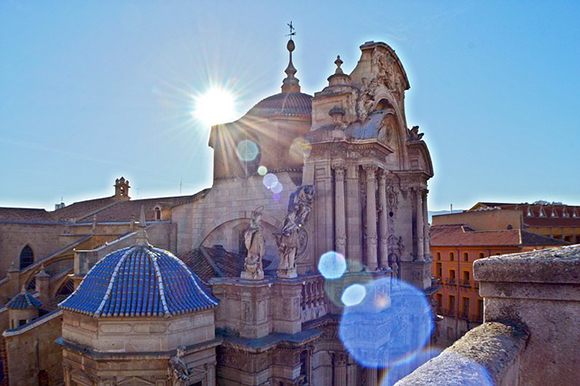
[[488, 354], [541, 290]]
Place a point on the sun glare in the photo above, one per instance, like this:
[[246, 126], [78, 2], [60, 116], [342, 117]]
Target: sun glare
[[216, 105]]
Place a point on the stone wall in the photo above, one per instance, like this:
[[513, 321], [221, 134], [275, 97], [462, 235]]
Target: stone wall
[[226, 205], [32, 353], [42, 238]]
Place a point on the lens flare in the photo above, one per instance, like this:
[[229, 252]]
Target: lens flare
[[270, 180], [353, 294], [332, 265], [277, 188], [262, 170], [247, 150], [216, 105], [392, 322]]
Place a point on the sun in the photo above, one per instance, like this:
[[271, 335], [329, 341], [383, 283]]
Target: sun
[[216, 105]]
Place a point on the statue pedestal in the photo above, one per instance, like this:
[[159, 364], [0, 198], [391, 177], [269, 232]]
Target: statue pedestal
[[252, 271], [257, 308], [287, 273]]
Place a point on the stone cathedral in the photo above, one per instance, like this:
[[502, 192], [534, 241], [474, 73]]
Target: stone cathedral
[[223, 287]]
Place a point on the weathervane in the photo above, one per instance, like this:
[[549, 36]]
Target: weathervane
[[292, 30]]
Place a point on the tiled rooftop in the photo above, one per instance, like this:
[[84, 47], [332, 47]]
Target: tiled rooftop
[[23, 300], [138, 282], [456, 235]]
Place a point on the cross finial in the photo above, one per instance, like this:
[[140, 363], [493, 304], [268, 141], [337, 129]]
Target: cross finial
[[292, 30]]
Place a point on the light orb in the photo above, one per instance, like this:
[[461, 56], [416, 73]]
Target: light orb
[[332, 265], [216, 105]]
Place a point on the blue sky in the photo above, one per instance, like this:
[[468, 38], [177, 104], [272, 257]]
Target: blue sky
[[90, 91]]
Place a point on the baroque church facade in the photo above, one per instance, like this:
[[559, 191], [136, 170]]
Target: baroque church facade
[[223, 287]]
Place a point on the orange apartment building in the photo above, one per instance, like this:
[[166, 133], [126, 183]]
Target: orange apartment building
[[457, 240], [552, 220]]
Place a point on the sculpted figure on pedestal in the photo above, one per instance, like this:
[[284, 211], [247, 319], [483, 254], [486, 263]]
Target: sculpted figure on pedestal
[[178, 373], [288, 238], [256, 246]]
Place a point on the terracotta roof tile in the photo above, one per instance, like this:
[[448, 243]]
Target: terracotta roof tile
[[25, 214], [463, 235]]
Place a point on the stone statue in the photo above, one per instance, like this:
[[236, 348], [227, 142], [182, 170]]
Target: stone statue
[[287, 239], [414, 134], [256, 246], [177, 371]]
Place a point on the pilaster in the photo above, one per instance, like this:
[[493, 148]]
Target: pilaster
[[371, 217]]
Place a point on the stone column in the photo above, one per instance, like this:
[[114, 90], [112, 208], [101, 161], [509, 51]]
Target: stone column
[[371, 377], [384, 246], [43, 285], [426, 234], [339, 209], [13, 275], [420, 225], [339, 368], [371, 222], [354, 220]]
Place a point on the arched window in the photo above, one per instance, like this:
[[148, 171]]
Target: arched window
[[481, 255], [465, 256], [157, 214], [451, 256], [26, 257], [438, 255]]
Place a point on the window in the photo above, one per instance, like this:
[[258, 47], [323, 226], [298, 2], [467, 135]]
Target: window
[[481, 255], [451, 256], [465, 256], [510, 227], [439, 300], [452, 276], [157, 214], [438, 255], [21, 322], [480, 309], [465, 277], [26, 257], [465, 307], [451, 303], [438, 270]]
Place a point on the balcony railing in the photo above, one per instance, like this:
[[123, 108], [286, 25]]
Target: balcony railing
[[450, 280]]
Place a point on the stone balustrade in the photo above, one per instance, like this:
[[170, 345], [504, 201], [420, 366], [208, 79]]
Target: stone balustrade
[[312, 302]]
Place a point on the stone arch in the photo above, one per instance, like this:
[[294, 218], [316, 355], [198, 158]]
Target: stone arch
[[65, 288], [386, 99], [228, 235], [26, 257], [243, 215]]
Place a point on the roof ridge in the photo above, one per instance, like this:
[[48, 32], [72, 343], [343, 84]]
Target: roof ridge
[[112, 281], [160, 281]]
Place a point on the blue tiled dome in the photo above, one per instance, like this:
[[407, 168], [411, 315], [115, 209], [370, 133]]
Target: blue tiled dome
[[23, 300], [139, 281]]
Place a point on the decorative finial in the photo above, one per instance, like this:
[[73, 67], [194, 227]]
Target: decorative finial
[[141, 239], [338, 63], [290, 83]]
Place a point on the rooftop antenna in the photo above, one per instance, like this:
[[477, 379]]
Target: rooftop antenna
[[292, 30]]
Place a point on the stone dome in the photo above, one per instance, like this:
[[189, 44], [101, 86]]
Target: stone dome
[[139, 281], [292, 104]]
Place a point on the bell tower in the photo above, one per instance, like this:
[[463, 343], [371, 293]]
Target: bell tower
[[122, 189]]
